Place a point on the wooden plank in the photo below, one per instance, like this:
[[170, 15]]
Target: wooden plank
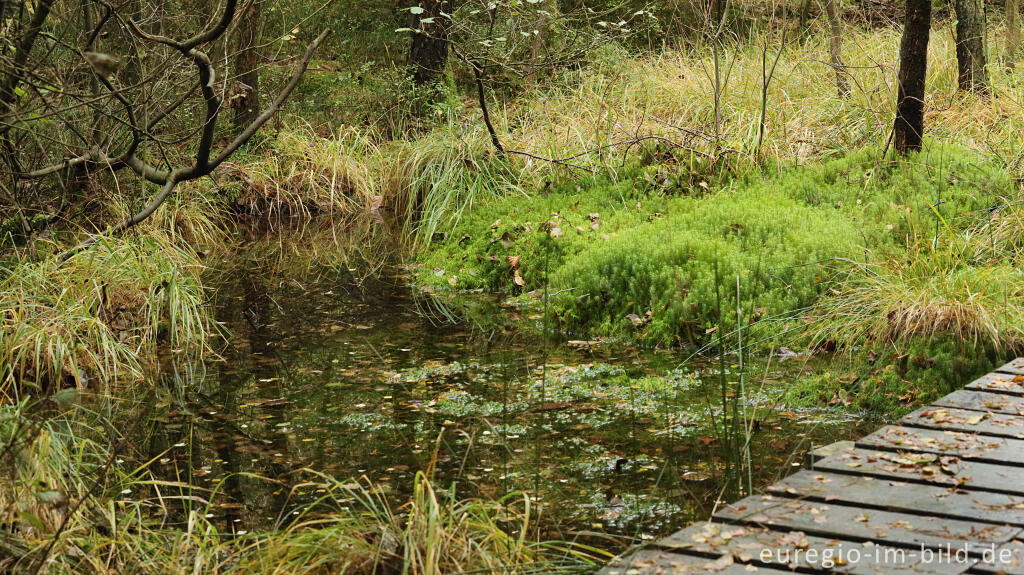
[[795, 549], [1015, 367], [999, 383], [670, 563], [983, 401], [983, 422], [827, 519], [1008, 559], [886, 527], [903, 496], [943, 470], [965, 445]]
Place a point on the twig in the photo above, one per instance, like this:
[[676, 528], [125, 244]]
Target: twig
[[478, 74]]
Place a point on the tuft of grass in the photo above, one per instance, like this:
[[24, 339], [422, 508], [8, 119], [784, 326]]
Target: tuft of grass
[[926, 295], [191, 216], [919, 322], [962, 283], [300, 173], [430, 183], [43, 461], [93, 316], [434, 532]]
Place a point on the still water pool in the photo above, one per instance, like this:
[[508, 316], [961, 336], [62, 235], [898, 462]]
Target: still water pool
[[365, 377]]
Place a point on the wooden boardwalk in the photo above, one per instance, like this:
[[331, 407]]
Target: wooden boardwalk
[[941, 493]]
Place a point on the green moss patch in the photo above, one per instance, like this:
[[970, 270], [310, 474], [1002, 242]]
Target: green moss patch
[[893, 382]]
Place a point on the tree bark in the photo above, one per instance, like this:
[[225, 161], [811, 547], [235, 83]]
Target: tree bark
[[835, 21], [246, 99], [970, 45], [428, 52], [1012, 33], [908, 129]]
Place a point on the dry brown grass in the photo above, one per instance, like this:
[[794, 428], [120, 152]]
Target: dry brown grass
[[943, 289], [596, 117]]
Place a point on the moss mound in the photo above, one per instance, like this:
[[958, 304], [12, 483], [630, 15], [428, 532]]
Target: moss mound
[[684, 267]]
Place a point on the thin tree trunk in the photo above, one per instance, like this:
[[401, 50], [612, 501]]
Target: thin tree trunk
[[247, 97], [540, 28], [835, 21], [970, 45], [908, 129], [428, 52], [1012, 33]]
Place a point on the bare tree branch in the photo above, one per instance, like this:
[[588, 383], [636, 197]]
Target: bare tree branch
[[203, 166]]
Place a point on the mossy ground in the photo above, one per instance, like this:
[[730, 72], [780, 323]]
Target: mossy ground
[[636, 244], [647, 260], [892, 381]]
